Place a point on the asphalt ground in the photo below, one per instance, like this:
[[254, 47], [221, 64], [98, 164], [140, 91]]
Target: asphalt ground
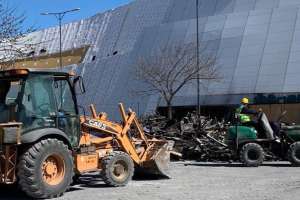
[[192, 180]]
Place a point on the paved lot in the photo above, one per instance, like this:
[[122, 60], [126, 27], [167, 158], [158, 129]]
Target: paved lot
[[207, 181]]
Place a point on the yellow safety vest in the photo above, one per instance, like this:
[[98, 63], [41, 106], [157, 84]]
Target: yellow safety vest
[[242, 117]]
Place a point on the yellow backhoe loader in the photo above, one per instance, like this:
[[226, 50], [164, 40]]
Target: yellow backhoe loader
[[44, 142]]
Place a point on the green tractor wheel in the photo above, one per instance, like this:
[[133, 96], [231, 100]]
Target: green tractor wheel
[[294, 154], [252, 155]]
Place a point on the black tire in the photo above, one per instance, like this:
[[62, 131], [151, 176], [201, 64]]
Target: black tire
[[294, 154], [252, 155], [35, 165], [76, 179], [109, 172]]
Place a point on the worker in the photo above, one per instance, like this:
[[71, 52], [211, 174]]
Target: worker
[[243, 112], [4, 109]]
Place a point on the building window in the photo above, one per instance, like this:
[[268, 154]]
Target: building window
[[42, 51]]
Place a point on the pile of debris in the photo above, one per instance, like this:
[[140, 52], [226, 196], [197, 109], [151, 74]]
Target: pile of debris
[[197, 138]]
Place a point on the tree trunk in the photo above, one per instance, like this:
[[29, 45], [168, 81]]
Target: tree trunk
[[170, 111]]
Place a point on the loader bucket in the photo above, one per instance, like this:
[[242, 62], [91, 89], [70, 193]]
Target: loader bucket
[[159, 162]]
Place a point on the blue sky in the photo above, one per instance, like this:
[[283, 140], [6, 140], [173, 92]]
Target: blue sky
[[33, 8]]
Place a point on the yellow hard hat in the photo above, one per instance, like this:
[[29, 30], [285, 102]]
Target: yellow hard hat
[[245, 100]]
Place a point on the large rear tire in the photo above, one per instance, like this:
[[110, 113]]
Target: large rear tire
[[45, 170], [252, 155], [294, 154], [117, 169]]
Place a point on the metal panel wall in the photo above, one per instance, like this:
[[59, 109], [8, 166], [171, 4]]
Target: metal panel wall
[[257, 44], [278, 44]]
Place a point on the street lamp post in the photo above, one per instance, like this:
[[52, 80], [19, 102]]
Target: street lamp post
[[59, 16], [198, 63]]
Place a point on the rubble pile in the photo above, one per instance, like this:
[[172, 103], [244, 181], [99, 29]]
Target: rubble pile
[[201, 139]]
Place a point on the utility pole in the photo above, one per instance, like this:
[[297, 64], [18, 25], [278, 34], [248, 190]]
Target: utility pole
[[59, 16]]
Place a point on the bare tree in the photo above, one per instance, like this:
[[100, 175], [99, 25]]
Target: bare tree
[[14, 43], [171, 68]]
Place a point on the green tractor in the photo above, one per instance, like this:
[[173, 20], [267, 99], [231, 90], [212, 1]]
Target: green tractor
[[276, 139]]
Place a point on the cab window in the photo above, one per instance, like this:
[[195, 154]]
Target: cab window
[[38, 98], [64, 97]]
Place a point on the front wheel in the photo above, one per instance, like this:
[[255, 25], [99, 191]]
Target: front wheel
[[294, 154], [117, 169], [45, 170], [252, 155]]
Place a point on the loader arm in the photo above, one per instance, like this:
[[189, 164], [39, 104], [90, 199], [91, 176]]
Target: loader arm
[[120, 132], [141, 149]]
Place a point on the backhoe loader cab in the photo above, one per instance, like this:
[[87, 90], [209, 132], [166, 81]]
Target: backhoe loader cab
[[40, 100], [44, 143]]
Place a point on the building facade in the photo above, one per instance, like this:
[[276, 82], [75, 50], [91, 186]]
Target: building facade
[[256, 42]]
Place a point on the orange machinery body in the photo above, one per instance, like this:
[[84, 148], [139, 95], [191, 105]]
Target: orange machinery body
[[101, 136]]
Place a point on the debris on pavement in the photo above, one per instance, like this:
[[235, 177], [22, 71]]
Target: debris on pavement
[[197, 138]]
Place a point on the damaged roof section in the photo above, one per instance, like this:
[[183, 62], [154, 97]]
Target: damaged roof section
[[44, 60]]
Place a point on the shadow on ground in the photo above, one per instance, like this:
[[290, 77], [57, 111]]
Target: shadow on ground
[[89, 180], [203, 164], [148, 177], [11, 192]]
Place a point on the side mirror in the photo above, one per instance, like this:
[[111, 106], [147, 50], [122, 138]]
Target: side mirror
[[78, 84]]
